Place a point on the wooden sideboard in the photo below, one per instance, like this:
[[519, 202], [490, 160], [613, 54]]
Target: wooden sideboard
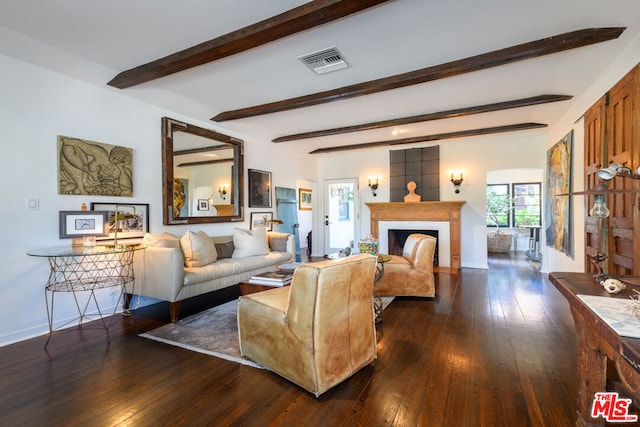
[[601, 348]]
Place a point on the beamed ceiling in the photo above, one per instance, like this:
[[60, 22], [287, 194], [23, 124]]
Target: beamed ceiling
[[420, 70]]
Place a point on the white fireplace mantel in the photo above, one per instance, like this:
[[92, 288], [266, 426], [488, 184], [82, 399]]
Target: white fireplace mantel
[[395, 212]]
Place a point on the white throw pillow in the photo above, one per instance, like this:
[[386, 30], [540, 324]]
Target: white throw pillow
[[165, 240], [198, 249], [250, 242]]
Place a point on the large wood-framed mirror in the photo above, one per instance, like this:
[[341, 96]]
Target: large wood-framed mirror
[[202, 175]]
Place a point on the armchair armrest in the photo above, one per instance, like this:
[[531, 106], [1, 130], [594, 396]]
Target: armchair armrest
[[159, 273]]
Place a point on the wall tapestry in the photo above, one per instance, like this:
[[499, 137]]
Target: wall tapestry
[[88, 167], [557, 212]]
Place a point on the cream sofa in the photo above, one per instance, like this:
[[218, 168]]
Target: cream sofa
[[173, 269]]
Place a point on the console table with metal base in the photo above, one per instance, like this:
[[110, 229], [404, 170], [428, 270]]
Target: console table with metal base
[[86, 269]]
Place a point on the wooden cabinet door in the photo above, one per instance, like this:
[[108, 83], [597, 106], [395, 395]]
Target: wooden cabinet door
[[611, 136], [622, 148], [594, 152]]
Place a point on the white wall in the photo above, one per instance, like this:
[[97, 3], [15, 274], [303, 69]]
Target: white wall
[[36, 106], [473, 156]]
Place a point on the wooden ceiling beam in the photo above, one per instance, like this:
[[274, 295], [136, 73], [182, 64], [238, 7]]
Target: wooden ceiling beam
[[448, 114], [301, 18], [436, 137], [534, 49]]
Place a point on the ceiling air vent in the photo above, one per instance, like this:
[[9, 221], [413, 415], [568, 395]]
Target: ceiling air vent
[[324, 61]]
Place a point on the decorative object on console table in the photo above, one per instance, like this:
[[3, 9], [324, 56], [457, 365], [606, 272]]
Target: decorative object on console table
[[133, 221], [271, 278], [259, 189], [73, 224], [304, 199]]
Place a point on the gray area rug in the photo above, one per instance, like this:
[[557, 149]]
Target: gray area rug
[[213, 332]]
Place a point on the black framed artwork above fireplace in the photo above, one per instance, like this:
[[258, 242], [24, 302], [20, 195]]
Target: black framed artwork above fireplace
[[397, 238]]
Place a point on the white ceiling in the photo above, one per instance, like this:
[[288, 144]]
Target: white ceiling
[[95, 39]]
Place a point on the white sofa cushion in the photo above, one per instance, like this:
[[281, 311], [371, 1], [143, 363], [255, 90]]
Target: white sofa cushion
[[250, 242], [198, 249], [165, 240]]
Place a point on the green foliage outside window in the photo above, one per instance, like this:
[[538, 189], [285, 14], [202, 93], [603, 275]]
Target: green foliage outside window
[[499, 204]]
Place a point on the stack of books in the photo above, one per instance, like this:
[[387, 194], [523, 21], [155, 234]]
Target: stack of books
[[271, 278]]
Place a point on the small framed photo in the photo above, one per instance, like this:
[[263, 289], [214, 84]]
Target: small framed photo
[[132, 220], [203, 204], [74, 224], [260, 219], [259, 189], [304, 199]]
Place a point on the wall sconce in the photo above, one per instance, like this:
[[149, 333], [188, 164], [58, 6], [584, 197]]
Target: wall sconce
[[374, 186], [223, 191], [456, 178]]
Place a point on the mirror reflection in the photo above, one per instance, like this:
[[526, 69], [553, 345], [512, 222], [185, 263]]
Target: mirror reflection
[[203, 175]]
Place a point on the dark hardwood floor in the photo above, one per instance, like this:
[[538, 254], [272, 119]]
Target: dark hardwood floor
[[495, 347]]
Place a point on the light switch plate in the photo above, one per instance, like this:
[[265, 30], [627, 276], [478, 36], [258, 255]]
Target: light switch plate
[[32, 203]]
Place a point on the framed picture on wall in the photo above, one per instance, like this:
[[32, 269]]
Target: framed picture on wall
[[132, 219], [259, 189], [304, 199], [259, 219], [203, 204]]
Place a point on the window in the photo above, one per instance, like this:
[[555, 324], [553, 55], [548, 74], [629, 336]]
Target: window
[[514, 205], [526, 204], [498, 205]]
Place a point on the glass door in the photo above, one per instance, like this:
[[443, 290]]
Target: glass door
[[342, 215]]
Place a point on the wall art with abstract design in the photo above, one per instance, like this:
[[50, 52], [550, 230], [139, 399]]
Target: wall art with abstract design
[[94, 168], [557, 210], [180, 197]]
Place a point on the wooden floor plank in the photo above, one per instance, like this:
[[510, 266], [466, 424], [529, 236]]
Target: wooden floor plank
[[495, 347]]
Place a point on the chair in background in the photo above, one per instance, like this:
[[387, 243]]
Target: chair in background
[[317, 332], [412, 273]]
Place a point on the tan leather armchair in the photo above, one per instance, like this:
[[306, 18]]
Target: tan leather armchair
[[412, 273], [317, 332]]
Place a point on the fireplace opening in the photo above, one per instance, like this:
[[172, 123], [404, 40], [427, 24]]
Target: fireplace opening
[[397, 238]]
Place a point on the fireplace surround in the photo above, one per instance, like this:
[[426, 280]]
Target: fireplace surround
[[443, 216]]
